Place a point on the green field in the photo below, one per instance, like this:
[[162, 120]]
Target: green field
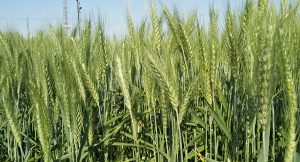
[[170, 90]]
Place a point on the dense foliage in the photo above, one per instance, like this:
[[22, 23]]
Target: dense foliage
[[180, 93]]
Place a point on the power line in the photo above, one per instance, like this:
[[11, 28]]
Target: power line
[[25, 19], [34, 19]]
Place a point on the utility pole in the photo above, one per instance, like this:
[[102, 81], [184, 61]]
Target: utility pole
[[65, 8], [78, 14], [28, 30], [129, 6]]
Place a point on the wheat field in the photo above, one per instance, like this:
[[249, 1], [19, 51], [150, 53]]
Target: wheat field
[[180, 93]]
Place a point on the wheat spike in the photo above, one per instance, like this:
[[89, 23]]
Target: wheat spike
[[126, 93], [156, 27], [9, 114], [292, 105], [155, 68]]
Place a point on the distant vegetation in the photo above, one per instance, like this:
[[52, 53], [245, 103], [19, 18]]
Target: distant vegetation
[[182, 93]]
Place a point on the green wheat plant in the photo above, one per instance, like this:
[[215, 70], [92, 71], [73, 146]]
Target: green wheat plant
[[172, 89]]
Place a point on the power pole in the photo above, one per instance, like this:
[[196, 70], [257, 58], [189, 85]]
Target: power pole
[[78, 14], [129, 6], [65, 8], [28, 30]]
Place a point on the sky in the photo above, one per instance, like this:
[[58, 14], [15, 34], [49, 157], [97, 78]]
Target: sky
[[40, 13]]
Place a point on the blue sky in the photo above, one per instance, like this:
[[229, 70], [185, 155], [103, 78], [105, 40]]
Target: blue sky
[[40, 13]]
